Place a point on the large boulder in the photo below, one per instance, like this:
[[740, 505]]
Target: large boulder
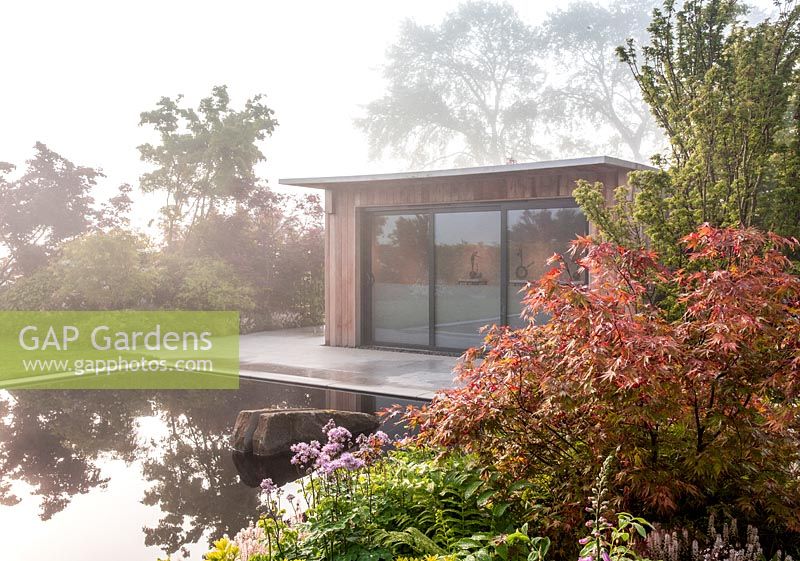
[[270, 432]]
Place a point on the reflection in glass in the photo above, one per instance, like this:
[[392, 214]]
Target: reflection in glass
[[467, 276], [400, 279], [534, 235]]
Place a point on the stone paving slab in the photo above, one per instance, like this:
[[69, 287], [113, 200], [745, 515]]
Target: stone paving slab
[[298, 356]]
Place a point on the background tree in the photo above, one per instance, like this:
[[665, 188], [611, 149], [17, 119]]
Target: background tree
[[200, 283], [781, 203], [231, 242], [101, 272], [464, 91], [115, 212], [724, 93], [591, 83], [50, 203], [205, 160]]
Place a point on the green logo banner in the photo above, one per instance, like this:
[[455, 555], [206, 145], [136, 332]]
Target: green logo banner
[[119, 350]]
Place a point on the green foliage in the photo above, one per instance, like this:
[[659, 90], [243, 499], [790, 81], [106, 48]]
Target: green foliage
[[607, 541], [450, 500], [515, 546], [410, 538], [412, 504], [206, 157], [48, 204], [223, 550], [617, 222], [428, 558], [617, 540], [31, 292], [407, 504], [199, 284], [94, 272], [724, 93], [102, 272], [781, 203], [113, 271]]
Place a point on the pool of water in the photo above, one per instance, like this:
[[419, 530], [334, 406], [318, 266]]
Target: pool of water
[[133, 475]]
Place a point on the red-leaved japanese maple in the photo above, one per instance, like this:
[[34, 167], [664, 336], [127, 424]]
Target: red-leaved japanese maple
[[699, 398]]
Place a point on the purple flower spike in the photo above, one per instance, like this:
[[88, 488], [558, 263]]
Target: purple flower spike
[[268, 486], [605, 556]]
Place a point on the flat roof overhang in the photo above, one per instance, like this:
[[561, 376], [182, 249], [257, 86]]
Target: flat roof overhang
[[594, 163]]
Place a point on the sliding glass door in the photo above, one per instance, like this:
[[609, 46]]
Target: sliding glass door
[[435, 276], [535, 235], [467, 276], [400, 279]]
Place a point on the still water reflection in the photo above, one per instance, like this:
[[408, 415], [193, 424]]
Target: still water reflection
[[132, 474]]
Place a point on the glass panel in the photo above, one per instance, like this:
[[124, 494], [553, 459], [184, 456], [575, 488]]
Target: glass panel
[[467, 276], [534, 235], [400, 283]]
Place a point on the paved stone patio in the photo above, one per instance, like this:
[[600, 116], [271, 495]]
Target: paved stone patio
[[298, 356]]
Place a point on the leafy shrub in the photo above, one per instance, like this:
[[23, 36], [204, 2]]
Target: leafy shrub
[[99, 271], [515, 546], [702, 406], [199, 284], [408, 503], [363, 503], [112, 271], [224, 550]]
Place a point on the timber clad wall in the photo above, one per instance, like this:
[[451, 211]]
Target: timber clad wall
[[343, 282]]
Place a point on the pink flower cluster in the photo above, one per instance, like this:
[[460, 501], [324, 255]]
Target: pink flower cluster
[[251, 541]]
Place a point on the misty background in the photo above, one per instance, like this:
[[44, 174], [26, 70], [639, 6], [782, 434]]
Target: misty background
[[78, 75]]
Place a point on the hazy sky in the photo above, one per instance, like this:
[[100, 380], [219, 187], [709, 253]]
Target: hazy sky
[[78, 73]]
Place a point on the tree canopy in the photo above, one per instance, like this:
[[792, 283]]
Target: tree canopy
[[592, 84], [484, 87], [206, 157], [50, 203], [464, 90], [229, 242], [725, 94]]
